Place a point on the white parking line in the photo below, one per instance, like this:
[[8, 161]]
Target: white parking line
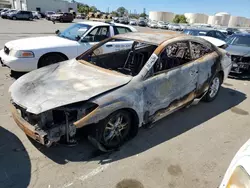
[[89, 175]]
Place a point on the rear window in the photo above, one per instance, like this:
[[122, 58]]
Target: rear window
[[121, 30]]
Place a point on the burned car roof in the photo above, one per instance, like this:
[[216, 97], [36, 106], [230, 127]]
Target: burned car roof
[[155, 38]]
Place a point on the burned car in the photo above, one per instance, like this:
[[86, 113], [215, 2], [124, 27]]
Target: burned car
[[145, 77], [239, 48]]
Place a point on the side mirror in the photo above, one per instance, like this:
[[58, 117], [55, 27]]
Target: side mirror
[[57, 32], [78, 37]]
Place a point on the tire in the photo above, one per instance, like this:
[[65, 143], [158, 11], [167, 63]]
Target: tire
[[13, 18], [214, 88], [36, 17], [30, 19], [61, 20], [115, 129], [50, 59]]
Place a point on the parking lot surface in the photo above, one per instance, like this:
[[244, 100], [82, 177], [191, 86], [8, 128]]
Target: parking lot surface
[[190, 148]]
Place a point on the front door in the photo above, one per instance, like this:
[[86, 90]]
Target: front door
[[173, 82], [93, 37]]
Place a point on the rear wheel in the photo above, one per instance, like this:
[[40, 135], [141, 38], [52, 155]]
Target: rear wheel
[[13, 18], [50, 59], [115, 129], [214, 88]]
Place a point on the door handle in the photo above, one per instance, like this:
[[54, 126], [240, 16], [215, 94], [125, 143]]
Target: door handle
[[109, 45]]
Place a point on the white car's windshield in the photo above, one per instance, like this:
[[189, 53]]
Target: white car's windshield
[[75, 31]]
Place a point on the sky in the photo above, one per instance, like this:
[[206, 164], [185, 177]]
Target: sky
[[210, 7]]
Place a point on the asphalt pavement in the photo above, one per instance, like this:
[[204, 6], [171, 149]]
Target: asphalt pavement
[[190, 148]]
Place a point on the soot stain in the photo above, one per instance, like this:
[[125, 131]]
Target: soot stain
[[239, 111], [129, 183], [174, 170]]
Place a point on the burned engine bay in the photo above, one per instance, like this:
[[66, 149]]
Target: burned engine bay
[[241, 64], [56, 124]]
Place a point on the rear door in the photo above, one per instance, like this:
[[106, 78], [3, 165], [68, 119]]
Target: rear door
[[205, 57], [174, 80]]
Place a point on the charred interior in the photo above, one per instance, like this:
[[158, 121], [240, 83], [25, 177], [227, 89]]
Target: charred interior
[[129, 60]]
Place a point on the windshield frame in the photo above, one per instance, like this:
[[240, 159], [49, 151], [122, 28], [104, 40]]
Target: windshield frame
[[143, 70]]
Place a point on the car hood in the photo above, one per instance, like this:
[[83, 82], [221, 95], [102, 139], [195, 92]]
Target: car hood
[[238, 50], [62, 84], [34, 43]]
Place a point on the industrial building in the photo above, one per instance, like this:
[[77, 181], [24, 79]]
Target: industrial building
[[161, 16], [5, 4], [44, 5]]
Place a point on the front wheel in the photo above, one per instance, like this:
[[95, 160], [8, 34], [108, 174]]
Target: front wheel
[[13, 18], [214, 88], [50, 59], [115, 129]]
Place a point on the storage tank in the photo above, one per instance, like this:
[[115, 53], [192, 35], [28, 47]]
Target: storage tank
[[196, 18], [161, 16], [235, 21], [214, 20], [225, 17]]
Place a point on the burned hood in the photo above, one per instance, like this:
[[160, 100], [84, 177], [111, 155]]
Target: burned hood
[[63, 83], [238, 50]]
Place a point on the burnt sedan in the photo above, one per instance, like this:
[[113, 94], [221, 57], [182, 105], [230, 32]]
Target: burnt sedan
[[145, 77], [239, 48]]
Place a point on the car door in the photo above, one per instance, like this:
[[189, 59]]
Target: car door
[[93, 37], [20, 15], [205, 57], [173, 82]]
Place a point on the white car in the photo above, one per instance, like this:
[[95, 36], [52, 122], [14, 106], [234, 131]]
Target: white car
[[162, 25], [238, 173], [174, 27], [217, 42], [153, 24], [36, 15], [28, 54]]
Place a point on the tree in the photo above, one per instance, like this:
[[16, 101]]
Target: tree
[[143, 15], [114, 14], [93, 9], [180, 19], [121, 11]]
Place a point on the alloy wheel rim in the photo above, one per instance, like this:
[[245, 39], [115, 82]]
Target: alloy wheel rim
[[116, 129], [214, 88]]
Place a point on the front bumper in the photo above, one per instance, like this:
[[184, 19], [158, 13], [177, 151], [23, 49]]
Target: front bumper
[[18, 64], [241, 68], [28, 129]]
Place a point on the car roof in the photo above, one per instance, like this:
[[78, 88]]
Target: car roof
[[152, 37], [96, 23], [200, 29]]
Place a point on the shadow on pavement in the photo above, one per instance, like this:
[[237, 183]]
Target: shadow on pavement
[[164, 130], [16, 75], [15, 166]]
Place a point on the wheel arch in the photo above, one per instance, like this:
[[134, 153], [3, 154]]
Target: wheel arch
[[135, 121], [51, 53]]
